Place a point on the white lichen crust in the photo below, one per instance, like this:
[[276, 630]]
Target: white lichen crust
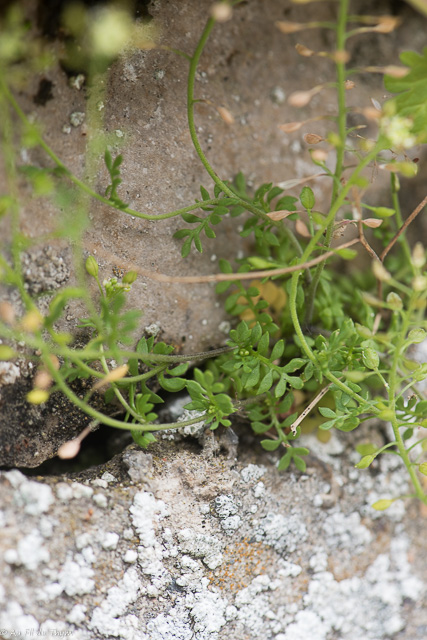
[[180, 553]]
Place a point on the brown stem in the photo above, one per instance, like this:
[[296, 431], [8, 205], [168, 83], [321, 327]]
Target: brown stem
[[404, 226], [226, 277]]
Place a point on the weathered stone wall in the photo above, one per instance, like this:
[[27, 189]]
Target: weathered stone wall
[[183, 543]]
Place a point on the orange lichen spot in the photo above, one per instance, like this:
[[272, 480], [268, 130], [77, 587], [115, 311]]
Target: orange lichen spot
[[247, 559]]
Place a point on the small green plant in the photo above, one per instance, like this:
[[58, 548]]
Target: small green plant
[[306, 337]]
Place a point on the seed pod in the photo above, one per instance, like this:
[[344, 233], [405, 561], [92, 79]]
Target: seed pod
[[129, 277], [69, 449], [92, 266], [115, 374], [290, 127], [289, 27], [319, 155], [226, 115], [387, 24], [341, 56], [313, 138], [304, 51], [42, 380], [300, 98], [418, 256], [7, 312], [380, 272], [32, 321], [37, 396]]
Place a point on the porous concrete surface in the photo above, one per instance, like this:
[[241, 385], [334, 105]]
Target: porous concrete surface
[[173, 544]]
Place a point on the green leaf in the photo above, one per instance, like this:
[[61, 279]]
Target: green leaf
[[416, 336], [280, 388], [263, 344], [408, 433], [422, 468], [327, 425], [221, 287], [349, 424], [179, 370], [287, 203], [240, 183], [300, 464], [109, 395], [225, 266], [266, 383], [382, 505], [262, 263], [412, 101], [143, 438], [284, 462], [301, 451], [365, 462], [346, 254], [186, 247], [326, 412], [308, 371], [295, 383], [172, 384], [190, 218], [383, 212], [273, 193], [278, 350], [421, 408], [224, 404], [182, 233], [366, 449], [260, 427], [294, 364], [253, 377], [197, 243], [108, 160], [270, 445], [205, 193], [256, 333], [271, 239]]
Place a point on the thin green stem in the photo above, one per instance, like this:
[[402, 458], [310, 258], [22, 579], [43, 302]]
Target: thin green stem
[[11, 180], [86, 188], [340, 151], [394, 181], [104, 419], [394, 382], [313, 244], [119, 395], [418, 442], [93, 354], [191, 101]]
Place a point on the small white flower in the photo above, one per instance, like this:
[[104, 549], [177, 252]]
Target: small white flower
[[111, 30], [398, 131]]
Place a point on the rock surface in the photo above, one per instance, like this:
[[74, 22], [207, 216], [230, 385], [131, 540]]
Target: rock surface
[[250, 68], [174, 544]]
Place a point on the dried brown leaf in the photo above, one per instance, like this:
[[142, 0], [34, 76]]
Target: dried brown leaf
[[290, 127], [279, 215], [372, 223], [302, 229]]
